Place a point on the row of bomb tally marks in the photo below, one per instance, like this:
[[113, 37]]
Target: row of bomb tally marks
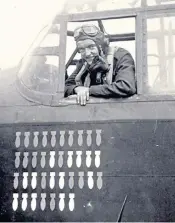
[[92, 179], [35, 202], [63, 158], [62, 136]]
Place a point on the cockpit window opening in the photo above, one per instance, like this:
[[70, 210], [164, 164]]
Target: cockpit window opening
[[122, 61], [161, 54], [115, 29]]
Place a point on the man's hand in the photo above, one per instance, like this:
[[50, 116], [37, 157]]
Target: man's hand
[[99, 64], [99, 67], [82, 94]]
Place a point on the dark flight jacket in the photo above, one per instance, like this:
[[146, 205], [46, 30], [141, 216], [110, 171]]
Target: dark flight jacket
[[123, 83]]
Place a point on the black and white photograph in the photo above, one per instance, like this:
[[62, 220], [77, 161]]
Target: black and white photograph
[[87, 111]]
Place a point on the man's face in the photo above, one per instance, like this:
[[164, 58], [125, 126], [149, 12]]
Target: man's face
[[88, 50]]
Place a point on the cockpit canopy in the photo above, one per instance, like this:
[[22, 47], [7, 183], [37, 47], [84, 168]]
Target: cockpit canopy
[[148, 36], [39, 67]]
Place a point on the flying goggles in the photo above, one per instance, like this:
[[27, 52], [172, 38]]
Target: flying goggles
[[88, 30]]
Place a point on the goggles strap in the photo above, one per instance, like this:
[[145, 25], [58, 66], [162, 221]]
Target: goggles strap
[[80, 73], [110, 59]]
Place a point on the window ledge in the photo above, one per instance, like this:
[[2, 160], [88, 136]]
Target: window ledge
[[58, 100], [135, 98]]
